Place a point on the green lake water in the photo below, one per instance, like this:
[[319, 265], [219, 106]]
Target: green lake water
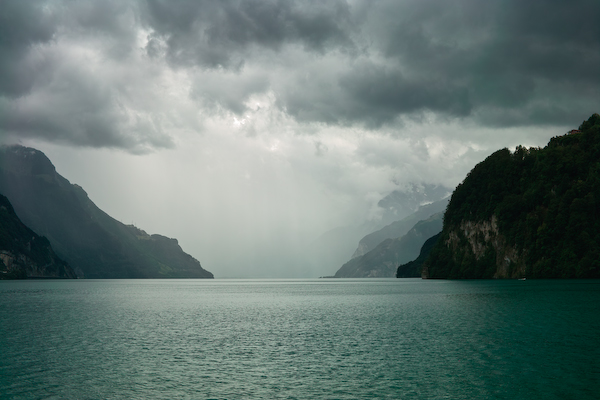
[[299, 339]]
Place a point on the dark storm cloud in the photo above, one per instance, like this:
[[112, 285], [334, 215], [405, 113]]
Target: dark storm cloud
[[75, 108], [26, 26], [373, 94], [112, 24], [501, 63], [506, 56], [69, 92], [366, 63], [220, 34], [22, 26]]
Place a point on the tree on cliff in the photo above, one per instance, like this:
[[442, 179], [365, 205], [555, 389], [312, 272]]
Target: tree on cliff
[[545, 203]]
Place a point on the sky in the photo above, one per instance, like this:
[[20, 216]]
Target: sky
[[246, 129]]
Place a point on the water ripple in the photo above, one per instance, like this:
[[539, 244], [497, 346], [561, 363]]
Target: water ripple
[[342, 339]]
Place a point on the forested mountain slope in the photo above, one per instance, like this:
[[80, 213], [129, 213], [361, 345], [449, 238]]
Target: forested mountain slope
[[413, 269], [531, 213]]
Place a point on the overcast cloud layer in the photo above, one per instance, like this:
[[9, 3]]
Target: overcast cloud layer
[[269, 122]]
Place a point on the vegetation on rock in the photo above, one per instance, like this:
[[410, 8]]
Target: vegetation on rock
[[413, 269], [533, 213]]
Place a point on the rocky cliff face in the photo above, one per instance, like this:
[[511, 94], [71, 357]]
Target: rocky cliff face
[[23, 253], [529, 213], [484, 238]]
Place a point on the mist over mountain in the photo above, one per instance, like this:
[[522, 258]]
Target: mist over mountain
[[383, 260], [260, 125], [334, 247], [402, 203], [399, 228], [93, 243], [402, 208]]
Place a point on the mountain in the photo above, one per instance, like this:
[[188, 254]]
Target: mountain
[[402, 203], [531, 213], [413, 269], [398, 228], [23, 253], [93, 243], [382, 261], [336, 246]]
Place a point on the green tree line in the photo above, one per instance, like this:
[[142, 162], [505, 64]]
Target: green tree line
[[547, 204]]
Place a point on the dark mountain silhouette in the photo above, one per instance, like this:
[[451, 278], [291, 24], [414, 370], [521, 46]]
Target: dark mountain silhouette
[[531, 213], [413, 269], [25, 254], [93, 243]]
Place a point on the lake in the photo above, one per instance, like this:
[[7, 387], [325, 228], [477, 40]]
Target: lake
[[299, 339]]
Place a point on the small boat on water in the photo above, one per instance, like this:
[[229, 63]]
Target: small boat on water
[[522, 279]]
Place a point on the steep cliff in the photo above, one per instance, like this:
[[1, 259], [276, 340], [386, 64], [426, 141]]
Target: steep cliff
[[413, 269], [393, 217], [531, 213], [399, 228], [23, 253], [383, 260], [93, 243]]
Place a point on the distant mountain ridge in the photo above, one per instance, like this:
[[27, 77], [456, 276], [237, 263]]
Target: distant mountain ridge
[[401, 203], [398, 228], [93, 243], [336, 246], [25, 254], [383, 260]]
